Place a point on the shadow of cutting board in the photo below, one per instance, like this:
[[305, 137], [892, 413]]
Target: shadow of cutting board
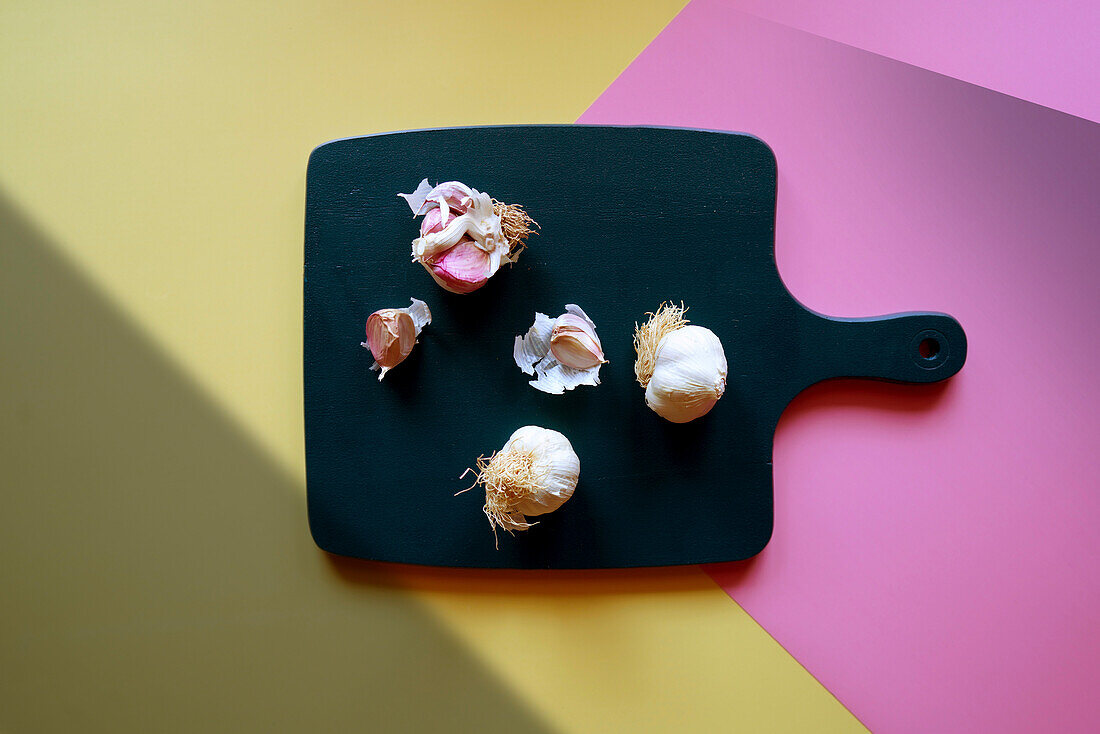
[[630, 217]]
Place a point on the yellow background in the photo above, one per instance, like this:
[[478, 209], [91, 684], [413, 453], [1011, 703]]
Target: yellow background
[[156, 565]]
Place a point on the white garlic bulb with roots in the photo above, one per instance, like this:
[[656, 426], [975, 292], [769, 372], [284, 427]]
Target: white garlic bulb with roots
[[534, 473], [682, 367]]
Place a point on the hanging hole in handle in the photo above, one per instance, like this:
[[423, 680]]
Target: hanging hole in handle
[[929, 349]]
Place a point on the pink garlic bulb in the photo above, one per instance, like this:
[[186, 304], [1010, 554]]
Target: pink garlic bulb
[[465, 235]]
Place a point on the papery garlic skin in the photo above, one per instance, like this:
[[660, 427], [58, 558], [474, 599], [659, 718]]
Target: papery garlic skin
[[392, 333], [689, 376], [464, 237], [552, 349]]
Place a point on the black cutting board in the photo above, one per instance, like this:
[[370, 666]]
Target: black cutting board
[[631, 217]]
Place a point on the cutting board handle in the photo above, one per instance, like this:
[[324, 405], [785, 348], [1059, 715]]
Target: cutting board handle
[[915, 347]]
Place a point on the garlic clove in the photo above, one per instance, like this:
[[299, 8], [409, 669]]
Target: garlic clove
[[574, 342], [392, 332], [434, 221], [391, 335], [563, 353], [462, 269]]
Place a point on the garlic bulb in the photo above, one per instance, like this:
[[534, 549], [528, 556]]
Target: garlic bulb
[[564, 352], [682, 368], [465, 235], [535, 473], [392, 332]]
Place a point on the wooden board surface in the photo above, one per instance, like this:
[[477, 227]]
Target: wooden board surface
[[630, 217]]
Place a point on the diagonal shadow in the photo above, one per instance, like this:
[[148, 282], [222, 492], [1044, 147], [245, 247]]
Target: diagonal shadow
[[157, 569]]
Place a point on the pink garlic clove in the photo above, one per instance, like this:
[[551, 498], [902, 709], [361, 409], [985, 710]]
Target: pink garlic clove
[[461, 269], [433, 221], [391, 334]]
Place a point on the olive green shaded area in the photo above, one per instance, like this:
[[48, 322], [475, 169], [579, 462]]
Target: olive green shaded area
[[156, 568]]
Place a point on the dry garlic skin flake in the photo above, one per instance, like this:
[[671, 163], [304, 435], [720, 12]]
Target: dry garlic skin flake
[[563, 352], [534, 473], [392, 333], [465, 235], [682, 367]]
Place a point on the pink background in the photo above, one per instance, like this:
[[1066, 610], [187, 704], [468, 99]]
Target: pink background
[[1046, 52], [935, 556]]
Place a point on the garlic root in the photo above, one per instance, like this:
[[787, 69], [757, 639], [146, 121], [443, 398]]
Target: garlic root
[[647, 338], [516, 226], [509, 478]]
